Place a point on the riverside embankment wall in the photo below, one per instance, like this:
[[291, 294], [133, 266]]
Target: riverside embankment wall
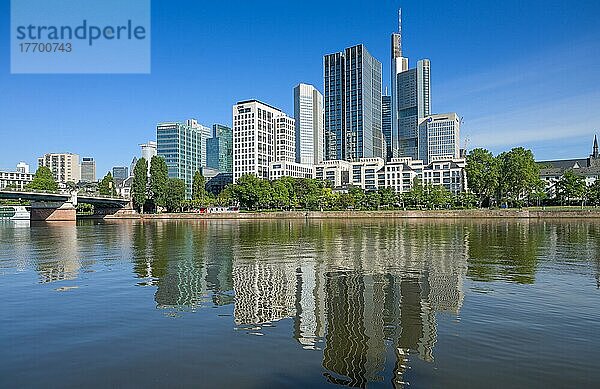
[[450, 214]]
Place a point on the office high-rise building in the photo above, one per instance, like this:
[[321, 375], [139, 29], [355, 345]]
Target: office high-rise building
[[132, 165], [285, 139], [219, 149], [148, 150], [439, 137], [64, 166], [352, 95], [308, 114], [88, 169], [399, 64], [183, 146], [261, 133], [386, 124], [120, 173], [414, 103]]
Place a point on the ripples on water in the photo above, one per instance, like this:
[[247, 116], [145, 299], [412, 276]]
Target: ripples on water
[[301, 303]]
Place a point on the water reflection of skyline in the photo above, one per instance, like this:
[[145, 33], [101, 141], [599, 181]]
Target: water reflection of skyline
[[358, 294], [350, 295]]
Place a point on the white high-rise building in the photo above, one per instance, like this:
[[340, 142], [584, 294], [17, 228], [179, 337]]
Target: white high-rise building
[[261, 134], [64, 166], [148, 150], [22, 167], [439, 137], [308, 113], [285, 140]]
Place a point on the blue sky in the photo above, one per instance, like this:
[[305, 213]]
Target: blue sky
[[519, 72]]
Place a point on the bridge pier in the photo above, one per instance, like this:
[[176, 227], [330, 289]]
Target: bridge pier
[[53, 211]]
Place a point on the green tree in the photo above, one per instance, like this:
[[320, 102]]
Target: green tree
[[358, 197], [594, 193], [280, 197], [388, 197], [571, 186], [159, 181], [465, 200], [175, 195], [482, 174], [43, 181], [308, 193], [225, 198], [519, 175], [139, 187], [107, 187], [372, 200], [415, 197], [437, 196], [199, 192], [247, 191]]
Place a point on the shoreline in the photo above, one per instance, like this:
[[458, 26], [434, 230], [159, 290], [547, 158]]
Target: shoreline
[[440, 214]]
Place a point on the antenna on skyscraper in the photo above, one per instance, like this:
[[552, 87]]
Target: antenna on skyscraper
[[400, 28]]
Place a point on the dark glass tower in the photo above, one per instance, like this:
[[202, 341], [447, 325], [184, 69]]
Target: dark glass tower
[[352, 85]]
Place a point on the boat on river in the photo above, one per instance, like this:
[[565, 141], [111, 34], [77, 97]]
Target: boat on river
[[14, 212]]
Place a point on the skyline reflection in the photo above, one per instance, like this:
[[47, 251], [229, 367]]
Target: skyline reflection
[[365, 295]]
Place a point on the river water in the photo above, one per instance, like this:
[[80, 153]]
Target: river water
[[316, 303]]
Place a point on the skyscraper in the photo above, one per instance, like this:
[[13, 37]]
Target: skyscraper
[[352, 94], [285, 139], [120, 173], [399, 64], [88, 169], [261, 133], [183, 146], [148, 150], [386, 124], [411, 99], [219, 149], [308, 113], [439, 137], [414, 103]]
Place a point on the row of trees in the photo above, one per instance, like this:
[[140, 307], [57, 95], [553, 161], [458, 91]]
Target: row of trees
[[571, 188], [287, 193], [156, 191], [511, 178]]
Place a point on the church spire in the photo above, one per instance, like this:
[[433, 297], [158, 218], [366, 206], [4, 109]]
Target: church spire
[[595, 150]]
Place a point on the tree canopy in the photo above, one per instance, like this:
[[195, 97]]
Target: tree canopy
[[199, 192], [159, 181], [175, 196], [107, 187], [43, 180], [139, 187], [482, 174]]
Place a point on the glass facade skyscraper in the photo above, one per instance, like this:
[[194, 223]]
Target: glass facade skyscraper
[[219, 149], [120, 173], [183, 146], [386, 125], [88, 169], [352, 93], [414, 103]]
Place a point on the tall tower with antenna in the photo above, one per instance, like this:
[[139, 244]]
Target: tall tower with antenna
[[399, 64]]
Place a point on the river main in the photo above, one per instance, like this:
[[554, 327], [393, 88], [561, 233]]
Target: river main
[[300, 303]]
